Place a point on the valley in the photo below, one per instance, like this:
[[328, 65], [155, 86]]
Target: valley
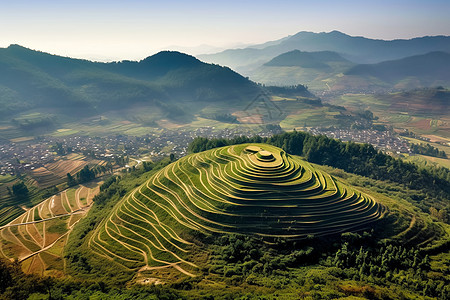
[[321, 172]]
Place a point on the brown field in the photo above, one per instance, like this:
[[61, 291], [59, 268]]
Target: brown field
[[62, 167], [36, 266], [56, 205], [44, 178], [436, 139], [424, 124], [168, 124], [55, 173], [245, 118]]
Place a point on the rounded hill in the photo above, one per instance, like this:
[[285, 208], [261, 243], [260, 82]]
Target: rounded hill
[[252, 189]]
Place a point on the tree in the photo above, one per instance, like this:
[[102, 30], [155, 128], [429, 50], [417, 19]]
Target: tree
[[20, 190], [70, 180], [85, 175]]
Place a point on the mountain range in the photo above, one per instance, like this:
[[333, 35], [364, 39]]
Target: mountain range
[[432, 66], [354, 48], [338, 62], [35, 80]]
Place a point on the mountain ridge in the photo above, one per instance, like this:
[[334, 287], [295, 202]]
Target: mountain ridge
[[355, 48], [305, 59], [35, 79], [321, 74]]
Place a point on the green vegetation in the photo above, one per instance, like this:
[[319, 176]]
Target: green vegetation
[[85, 175], [401, 255], [432, 184], [20, 190], [165, 82], [225, 118], [228, 190], [428, 150], [79, 257], [297, 90]]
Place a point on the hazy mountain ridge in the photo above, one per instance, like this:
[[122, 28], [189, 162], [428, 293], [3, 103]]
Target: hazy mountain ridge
[[354, 48], [434, 65], [36, 79], [328, 70], [306, 59]]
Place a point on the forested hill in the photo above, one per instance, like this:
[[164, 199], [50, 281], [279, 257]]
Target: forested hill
[[31, 79]]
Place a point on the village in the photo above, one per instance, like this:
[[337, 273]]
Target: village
[[387, 141], [19, 157]]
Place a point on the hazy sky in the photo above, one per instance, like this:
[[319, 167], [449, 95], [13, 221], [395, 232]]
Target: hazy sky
[[134, 29]]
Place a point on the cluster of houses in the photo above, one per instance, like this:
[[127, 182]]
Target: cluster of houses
[[383, 140], [18, 157]]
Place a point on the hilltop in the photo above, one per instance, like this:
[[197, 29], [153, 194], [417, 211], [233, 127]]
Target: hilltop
[[253, 190]]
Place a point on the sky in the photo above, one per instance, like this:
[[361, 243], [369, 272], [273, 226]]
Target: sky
[[107, 30]]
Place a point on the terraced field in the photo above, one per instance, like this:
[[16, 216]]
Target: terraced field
[[37, 237], [55, 173], [252, 189]]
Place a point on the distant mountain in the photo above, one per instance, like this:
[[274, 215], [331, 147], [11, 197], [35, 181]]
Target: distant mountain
[[35, 80], [356, 49], [329, 71], [299, 67], [429, 69], [297, 58]]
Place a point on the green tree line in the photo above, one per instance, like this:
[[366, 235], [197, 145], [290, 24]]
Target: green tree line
[[427, 150]]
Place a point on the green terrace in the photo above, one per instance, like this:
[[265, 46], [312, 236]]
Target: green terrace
[[254, 189]]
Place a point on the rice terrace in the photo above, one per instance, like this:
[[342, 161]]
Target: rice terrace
[[250, 189], [192, 150], [37, 237]]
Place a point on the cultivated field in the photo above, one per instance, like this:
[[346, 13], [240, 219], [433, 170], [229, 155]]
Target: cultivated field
[[37, 237], [417, 111], [253, 189], [55, 173]]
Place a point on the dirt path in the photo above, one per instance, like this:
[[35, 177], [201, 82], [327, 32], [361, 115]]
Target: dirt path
[[78, 211], [77, 196], [52, 244], [46, 247]]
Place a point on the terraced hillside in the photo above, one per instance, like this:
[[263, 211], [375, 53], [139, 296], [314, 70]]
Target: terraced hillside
[[37, 237], [253, 189]]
